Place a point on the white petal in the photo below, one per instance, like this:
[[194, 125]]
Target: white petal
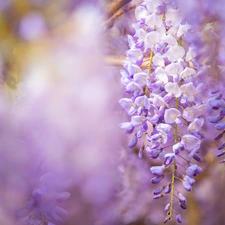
[[171, 115], [187, 72], [141, 12], [161, 75], [151, 39], [173, 88], [154, 20], [158, 60], [175, 52]]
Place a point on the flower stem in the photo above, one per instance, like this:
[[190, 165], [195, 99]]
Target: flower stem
[[150, 62], [174, 166], [149, 71]]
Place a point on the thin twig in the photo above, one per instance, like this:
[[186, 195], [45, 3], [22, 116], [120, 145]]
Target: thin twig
[[108, 23]]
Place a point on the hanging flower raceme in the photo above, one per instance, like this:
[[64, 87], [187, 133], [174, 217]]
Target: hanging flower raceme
[[163, 103]]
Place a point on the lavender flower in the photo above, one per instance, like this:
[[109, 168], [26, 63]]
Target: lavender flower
[[165, 95]]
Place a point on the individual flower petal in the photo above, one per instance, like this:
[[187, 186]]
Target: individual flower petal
[[179, 218], [187, 72], [158, 190], [171, 115], [158, 60], [157, 100], [133, 142], [190, 113], [215, 119], [174, 69], [126, 126], [141, 78], [156, 180], [151, 39], [161, 75], [221, 146], [196, 125], [193, 170], [128, 105], [173, 89], [219, 136], [167, 207], [220, 126], [182, 198], [177, 147], [168, 189], [183, 205], [142, 101], [157, 170], [170, 40], [141, 12], [190, 141], [189, 91], [175, 52], [135, 55], [158, 196], [137, 120], [153, 153], [220, 154], [154, 20], [133, 87]]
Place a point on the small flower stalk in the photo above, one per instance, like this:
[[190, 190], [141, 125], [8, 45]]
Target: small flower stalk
[[162, 99]]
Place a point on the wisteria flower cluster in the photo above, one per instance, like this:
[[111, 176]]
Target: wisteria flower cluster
[[63, 158], [166, 111]]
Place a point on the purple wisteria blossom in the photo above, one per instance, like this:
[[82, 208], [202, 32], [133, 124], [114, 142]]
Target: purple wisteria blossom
[[165, 109]]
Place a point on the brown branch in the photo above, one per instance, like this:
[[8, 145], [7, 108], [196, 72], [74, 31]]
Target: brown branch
[[108, 23], [115, 6]]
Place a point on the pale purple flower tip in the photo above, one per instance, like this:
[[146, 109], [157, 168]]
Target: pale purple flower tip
[[219, 136], [156, 180], [220, 154], [139, 133], [160, 9], [221, 146], [153, 153], [155, 145], [158, 196], [144, 126], [193, 170], [139, 44], [181, 198], [177, 147], [220, 126], [214, 102], [158, 190], [167, 189], [222, 113], [215, 119], [140, 152], [133, 142], [169, 160], [154, 119], [183, 205], [167, 207], [166, 219], [197, 158], [157, 170], [179, 218], [188, 182]]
